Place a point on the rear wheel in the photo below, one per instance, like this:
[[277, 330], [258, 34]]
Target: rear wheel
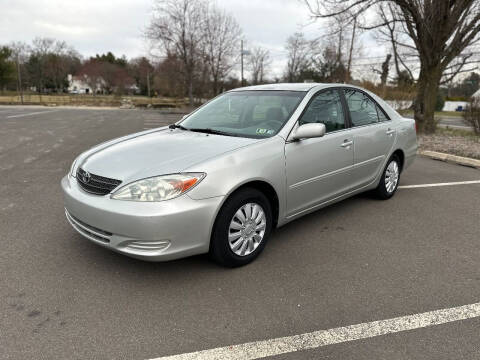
[[242, 228], [390, 178]]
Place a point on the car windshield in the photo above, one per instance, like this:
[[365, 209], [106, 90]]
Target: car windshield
[[256, 114]]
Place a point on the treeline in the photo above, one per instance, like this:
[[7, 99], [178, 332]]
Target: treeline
[[200, 45], [196, 50], [195, 46], [44, 65]]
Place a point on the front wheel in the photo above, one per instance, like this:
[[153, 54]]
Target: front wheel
[[390, 178], [241, 229]]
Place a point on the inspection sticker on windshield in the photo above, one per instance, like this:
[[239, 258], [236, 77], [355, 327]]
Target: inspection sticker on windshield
[[264, 131]]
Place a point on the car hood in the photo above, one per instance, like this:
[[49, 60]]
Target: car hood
[[156, 153]]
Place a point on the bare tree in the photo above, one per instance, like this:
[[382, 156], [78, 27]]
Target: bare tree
[[259, 61], [220, 42], [439, 31], [327, 66], [343, 36], [404, 49], [472, 115], [168, 77], [7, 67], [175, 27], [40, 49], [92, 72], [60, 61], [49, 63], [20, 52], [299, 56], [351, 49], [392, 33], [142, 71]]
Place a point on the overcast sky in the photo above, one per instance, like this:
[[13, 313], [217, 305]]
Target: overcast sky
[[98, 26]]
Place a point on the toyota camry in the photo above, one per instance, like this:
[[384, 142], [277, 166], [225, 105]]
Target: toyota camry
[[223, 177]]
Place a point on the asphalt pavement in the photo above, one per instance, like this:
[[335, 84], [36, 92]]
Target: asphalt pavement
[[454, 122], [358, 261]]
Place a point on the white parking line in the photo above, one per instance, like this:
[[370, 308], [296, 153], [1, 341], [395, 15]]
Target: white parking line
[[34, 113], [439, 184], [316, 339]]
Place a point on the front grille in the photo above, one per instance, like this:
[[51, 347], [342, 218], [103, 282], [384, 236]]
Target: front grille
[[96, 184]]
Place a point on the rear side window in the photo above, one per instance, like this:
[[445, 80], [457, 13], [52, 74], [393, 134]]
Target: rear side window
[[363, 111], [381, 114], [326, 108]]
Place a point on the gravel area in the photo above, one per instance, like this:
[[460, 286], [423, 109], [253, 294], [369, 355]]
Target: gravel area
[[461, 145]]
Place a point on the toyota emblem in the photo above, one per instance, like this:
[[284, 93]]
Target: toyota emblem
[[86, 177]]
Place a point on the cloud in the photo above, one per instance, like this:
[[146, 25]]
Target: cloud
[[90, 26], [99, 26], [66, 30]]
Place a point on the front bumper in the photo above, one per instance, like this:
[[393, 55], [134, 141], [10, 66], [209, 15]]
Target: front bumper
[[153, 231]]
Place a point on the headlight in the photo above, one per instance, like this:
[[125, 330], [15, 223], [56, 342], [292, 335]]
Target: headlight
[[159, 188]]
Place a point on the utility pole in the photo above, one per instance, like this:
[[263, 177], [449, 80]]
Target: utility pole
[[347, 75], [148, 82], [19, 79], [242, 53], [241, 61]]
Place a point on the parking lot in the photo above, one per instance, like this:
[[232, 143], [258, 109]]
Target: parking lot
[[355, 262], [450, 122]]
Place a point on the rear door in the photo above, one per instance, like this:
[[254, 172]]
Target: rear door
[[373, 136]]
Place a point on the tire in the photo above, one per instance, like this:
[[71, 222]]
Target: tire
[[386, 189], [226, 244]]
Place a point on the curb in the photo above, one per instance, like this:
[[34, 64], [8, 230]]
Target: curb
[[460, 160]]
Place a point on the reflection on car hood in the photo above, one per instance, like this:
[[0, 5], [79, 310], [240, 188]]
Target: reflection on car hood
[[156, 153]]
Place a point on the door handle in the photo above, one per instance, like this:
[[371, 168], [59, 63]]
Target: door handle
[[390, 131], [346, 143]]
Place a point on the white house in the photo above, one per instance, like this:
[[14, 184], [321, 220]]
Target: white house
[[454, 106], [79, 84]]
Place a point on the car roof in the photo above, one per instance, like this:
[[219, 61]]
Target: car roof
[[290, 86], [280, 86]]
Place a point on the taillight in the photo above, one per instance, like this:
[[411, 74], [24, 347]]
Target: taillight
[[415, 125]]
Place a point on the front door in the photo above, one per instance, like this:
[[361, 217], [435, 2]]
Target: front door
[[319, 169]]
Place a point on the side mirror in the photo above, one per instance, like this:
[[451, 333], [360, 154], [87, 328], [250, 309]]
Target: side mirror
[[307, 131]]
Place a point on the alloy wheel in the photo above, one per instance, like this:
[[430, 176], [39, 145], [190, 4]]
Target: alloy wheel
[[247, 229], [391, 176]]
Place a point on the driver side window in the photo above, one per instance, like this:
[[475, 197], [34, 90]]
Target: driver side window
[[326, 108]]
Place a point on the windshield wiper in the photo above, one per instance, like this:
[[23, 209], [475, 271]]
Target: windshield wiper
[[176, 126], [212, 131], [206, 130]]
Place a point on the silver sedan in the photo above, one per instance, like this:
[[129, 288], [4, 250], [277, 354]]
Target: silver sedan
[[252, 159]]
